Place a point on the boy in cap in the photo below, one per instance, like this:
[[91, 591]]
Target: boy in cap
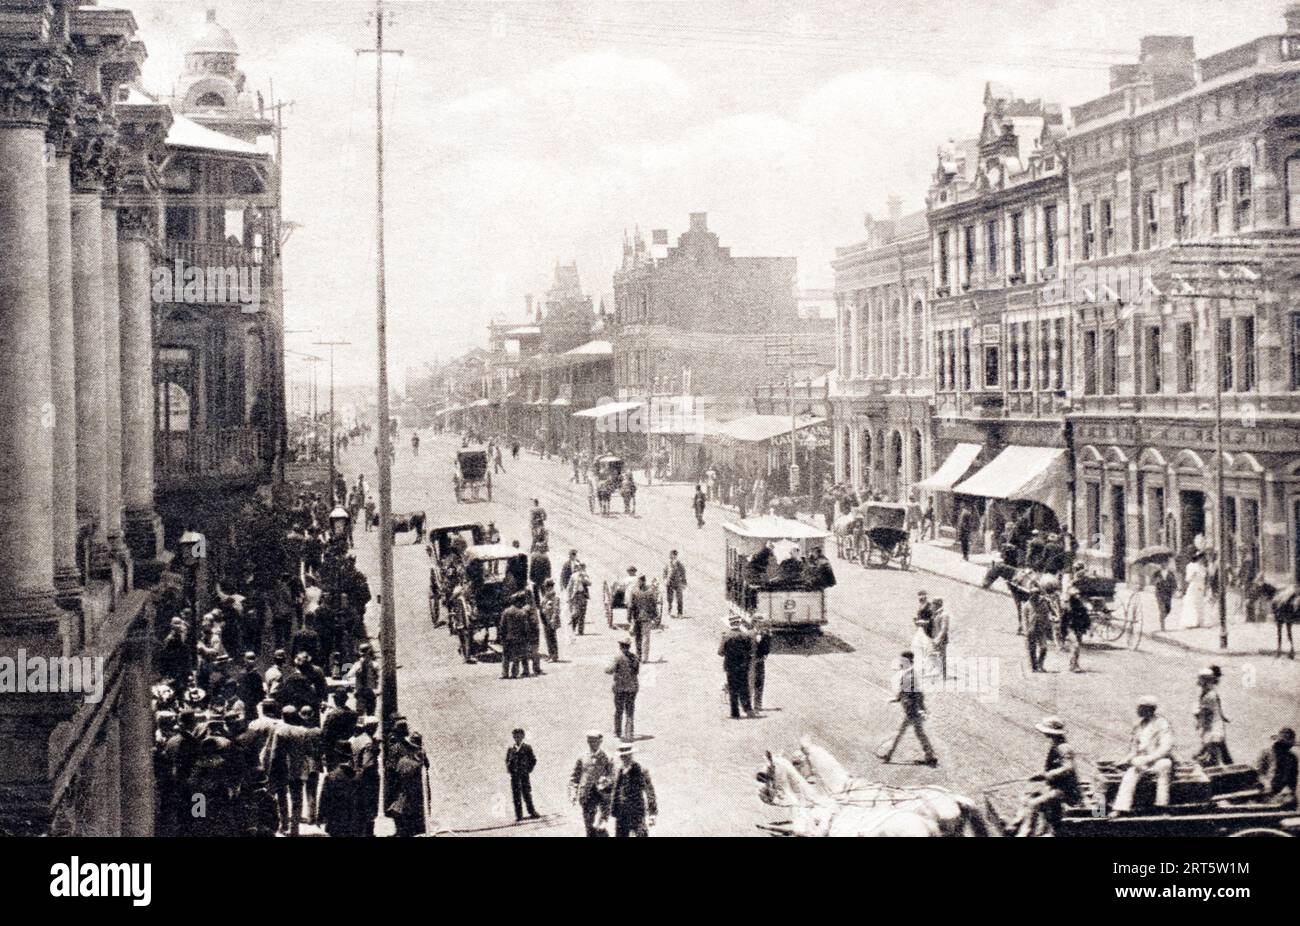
[[520, 762]]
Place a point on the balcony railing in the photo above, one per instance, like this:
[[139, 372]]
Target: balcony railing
[[184, 459], [213, 253]]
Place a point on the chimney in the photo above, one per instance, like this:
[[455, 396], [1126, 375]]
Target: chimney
[[699, 221], [895, 208], [1169, 61], [1292, 16]]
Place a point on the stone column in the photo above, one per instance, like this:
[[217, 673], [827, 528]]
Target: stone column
[[136, 719], [112, 347], [88, 156], [27, 607], [67, 575]]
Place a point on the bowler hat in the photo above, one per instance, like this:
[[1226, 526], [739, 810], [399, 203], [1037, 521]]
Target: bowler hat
[[1052, 726]]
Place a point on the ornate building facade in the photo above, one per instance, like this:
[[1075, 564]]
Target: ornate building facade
[[1185, 214], [883, 392]]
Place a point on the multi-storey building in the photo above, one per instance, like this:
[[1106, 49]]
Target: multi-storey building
[[999, 236], [883, 391], [1185, 234]]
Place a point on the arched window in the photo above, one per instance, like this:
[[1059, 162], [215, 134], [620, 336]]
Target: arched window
[[896, 455], [864, 460], [210, 100], [918, 463]]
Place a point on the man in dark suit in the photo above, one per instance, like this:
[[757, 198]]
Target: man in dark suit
[[340, 721], [250, 686], [520, 763], [642, 615], [632, 801], [512, 635], [1166, 586], [736, 650]]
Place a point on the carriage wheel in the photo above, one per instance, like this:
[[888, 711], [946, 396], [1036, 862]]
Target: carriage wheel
[[1133, 619], [1261, 831], [1114, 627]]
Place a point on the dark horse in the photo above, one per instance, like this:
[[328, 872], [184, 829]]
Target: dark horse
[[1019, 583], [1283, 602]]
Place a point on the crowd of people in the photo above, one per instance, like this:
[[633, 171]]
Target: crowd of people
[[265, 706]]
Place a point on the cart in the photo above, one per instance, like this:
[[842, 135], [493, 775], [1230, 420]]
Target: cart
[[606, 470], [757, 590], [850, 540], [1221, 801], [1108, 623], [471, 472], [884, 525], [615, 597], [447, 561]]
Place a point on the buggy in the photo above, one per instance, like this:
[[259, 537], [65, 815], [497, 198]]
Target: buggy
[[447, 558], [886, 540], [603, 481], [494, 572], [472, 470]]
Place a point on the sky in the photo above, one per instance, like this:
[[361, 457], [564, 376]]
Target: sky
[[522, 134]]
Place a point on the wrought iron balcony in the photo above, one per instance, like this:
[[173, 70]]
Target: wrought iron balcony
[[206, 459]]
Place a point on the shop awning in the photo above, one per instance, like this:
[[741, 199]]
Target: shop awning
[[609, 408], [753, 429], [1023, 474], [952, 470], [561, 401], [453, 409]]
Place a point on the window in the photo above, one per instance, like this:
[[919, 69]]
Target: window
[[943, 259], [1089, 232], [1295, 350], [952, 360], [1013, 357], [1150, 221], [1044, 355], [1090, 363], [991, 366], [1225, 355], [965, 359], [1218, 202], [1186, 354], [1107, 227], [1093, 511], [1026, 356], [1241, 189], [1182, 211], [1109, 362], [1246, 354], [968, 255], [1293, 192], [1017, 247], [941, 368], [991, 238], [1049, 235], [1058, 346], [1153, 369]]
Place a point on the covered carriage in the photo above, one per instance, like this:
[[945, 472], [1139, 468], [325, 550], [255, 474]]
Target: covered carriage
[[760, 587], [603, 481], [472, 471], [885, 535], [446, 547]]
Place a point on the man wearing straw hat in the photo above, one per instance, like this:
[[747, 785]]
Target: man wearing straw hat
[[632, 798], [1042, 813]]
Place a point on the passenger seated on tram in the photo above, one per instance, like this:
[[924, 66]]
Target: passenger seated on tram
[[792, 570], [817, 573], [756, 569]]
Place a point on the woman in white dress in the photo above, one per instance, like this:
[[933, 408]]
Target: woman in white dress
[[923, 647], [1194, 597]]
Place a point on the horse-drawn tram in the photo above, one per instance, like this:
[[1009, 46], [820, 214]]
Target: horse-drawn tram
[[770, 578]]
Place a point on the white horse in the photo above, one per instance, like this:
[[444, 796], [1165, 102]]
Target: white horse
[[818, 815], [824, 782]]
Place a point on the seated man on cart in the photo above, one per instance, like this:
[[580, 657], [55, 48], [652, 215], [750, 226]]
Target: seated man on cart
[[1151, 754], [1041, 813]]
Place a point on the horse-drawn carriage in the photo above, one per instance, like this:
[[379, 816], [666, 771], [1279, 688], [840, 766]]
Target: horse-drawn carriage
[[1107, 622], [494, 572], [885, 537], [616, 596], [759, 589], [603, 481], [472, 471], [447, 546]]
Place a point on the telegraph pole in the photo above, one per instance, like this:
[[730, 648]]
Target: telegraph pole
[[331, 345], [388, 625]]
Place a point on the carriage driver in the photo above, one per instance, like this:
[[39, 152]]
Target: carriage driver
[[1150, 754], [1042, 812]]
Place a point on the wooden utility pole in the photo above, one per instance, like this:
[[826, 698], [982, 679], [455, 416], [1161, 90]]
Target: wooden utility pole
[[388, 619]]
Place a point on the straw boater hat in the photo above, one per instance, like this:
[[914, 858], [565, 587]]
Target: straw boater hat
[[1147, 701], [1051, 726], [626, 749], [595, 735]]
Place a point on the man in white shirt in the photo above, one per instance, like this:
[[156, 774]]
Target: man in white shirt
[[1150, 754]]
